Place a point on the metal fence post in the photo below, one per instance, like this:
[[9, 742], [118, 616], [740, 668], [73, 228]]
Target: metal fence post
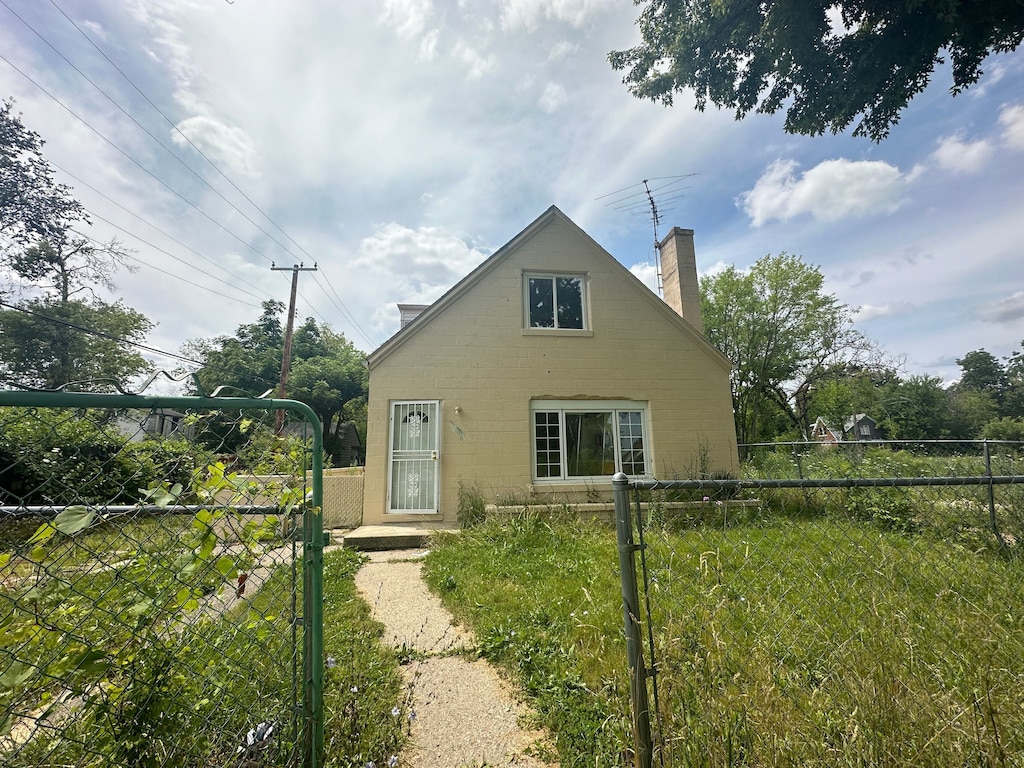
[[993, 521], [631, 614], [315, 599], [313, 610]]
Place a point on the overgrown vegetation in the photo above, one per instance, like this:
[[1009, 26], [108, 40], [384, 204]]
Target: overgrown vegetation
[[166, 631], [472, 508], [367, 719], [542, 596], [790, 634], [67, 456]]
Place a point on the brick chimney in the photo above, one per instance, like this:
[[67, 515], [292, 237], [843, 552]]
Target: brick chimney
[[679, 275]]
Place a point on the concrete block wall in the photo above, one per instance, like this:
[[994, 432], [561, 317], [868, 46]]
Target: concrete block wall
[[478, 358]]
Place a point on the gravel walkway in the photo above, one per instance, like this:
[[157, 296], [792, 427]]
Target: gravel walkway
[[466, 716]]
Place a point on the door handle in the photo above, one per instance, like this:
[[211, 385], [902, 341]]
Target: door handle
[[433, 455]]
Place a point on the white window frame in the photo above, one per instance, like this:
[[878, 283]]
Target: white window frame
[[553, 276], [563, 407]]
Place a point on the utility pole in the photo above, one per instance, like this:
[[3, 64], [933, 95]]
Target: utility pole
[[286, 358]]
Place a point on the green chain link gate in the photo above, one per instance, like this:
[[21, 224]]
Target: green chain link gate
[[161, 596]]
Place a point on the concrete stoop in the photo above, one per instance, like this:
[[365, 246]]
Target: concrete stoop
[[388, 536]]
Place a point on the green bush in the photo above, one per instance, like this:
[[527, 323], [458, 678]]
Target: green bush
[[65, 456]]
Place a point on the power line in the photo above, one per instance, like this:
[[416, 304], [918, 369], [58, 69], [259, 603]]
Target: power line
[[151, 225], [177, 130], [101, 334], [135, 162], [336, 299], [164, 271], [145, 130], [341, 306]]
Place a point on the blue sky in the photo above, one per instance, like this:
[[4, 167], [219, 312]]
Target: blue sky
[[398, 143]]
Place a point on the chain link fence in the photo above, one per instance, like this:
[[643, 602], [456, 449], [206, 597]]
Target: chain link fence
[[849, 605], [159, 587]]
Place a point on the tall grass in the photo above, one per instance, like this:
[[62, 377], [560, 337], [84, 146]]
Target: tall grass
[[779, 641], [188, 697]]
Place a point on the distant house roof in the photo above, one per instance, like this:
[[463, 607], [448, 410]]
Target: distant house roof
[[822, 432], [860, 426]]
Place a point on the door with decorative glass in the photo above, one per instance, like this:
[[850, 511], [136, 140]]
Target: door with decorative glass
[[413, 481]]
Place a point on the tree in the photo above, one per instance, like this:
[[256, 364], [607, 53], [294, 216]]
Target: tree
[[969, 411], [69, 264], [53, 340], [43, 344], [32, 205], [982, 372], [331, 384], [327, 371], [826, 62], [918, 409], [784, 336]]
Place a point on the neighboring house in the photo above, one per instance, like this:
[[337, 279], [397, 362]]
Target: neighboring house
[[349, 449], [540, 374], [137, 425], [823, 433], [860, 426]]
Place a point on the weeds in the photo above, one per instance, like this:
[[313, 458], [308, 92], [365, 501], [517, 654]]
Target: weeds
[[471, 506], [786, 640]]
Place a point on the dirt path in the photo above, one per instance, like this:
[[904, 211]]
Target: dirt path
[[465, 714]]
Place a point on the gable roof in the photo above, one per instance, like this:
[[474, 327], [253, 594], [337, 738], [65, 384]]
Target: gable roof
[[500, 255]]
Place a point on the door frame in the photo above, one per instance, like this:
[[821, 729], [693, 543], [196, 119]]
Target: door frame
[[433, 454]]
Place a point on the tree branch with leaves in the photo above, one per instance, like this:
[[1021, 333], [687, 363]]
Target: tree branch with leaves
[[827, 63]]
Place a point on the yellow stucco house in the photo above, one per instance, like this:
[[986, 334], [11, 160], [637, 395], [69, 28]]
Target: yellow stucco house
[[540, 374]]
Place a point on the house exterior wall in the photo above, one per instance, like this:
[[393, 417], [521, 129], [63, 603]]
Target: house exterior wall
[[478, 359]]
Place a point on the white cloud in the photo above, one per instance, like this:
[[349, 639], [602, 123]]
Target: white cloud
[[830, 191], [646, 274], [962, 156], [428, 45], [562, 50], [96, 29], [991, 76], [477, 65], [1012, 120], [868, 312], [221, 143], [426, 261], [529, 14], [1005, 310], [414, 266], [408, 18], [553, 98]]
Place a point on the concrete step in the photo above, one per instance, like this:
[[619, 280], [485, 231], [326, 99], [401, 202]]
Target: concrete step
[[377, 538]]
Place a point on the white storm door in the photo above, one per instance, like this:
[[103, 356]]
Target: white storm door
[[413, 465]]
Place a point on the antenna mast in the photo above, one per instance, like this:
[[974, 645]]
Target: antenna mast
[[636, 202], [655, 219]]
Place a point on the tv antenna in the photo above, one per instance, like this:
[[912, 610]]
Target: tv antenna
[[639, 200]]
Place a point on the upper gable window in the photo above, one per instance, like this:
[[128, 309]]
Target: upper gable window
[[555, 301]]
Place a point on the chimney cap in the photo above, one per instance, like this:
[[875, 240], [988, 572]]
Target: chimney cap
[[675, 231]]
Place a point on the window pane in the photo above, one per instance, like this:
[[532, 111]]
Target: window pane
[[542, 305], [590, 444], [549, 455], [631, 442], [570, 302]]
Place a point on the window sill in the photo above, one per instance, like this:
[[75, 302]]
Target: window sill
[[580, 483], [557, 332]]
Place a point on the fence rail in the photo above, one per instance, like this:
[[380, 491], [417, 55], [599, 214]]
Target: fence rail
[[829, 620], [160, 598]]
